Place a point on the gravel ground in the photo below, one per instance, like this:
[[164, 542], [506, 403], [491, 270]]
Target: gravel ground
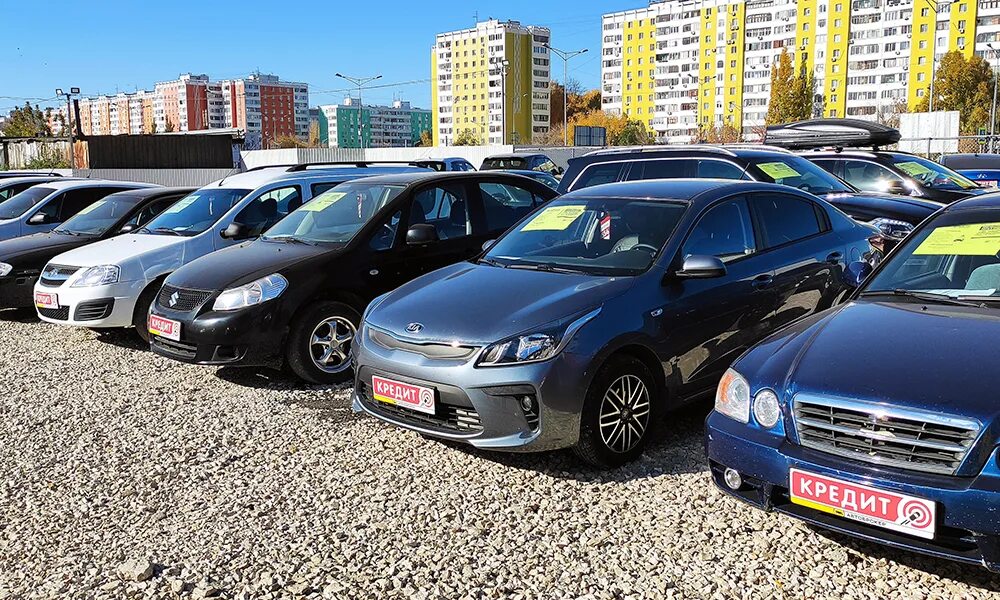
[[127, 475]]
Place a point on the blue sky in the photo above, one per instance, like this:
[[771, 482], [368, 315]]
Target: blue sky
[[104, 46]]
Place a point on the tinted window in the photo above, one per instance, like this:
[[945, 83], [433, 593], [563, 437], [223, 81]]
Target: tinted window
[[386, 234], [12, 190], [785, 219], [19, 204], [797, 172], [270, 207], [319, 188], [930, 173], [598, 174], [196, 212], [151, 210], [76, 200], [505, 204], [725, 231], [867, 175], [445, 209], [662, 169], [99, 216], [718, 169], [337, 215], [514, 162], [546, 165]]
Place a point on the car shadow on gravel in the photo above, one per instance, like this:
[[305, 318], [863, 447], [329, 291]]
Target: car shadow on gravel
[[971, 575], [123, 338], [676, 448], [19, 315]]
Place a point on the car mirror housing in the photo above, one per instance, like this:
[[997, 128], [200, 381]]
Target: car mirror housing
[[856, 273], [488, 244], [701, 266], [234, 231], [39, 219], [128, 228], [421, 234]]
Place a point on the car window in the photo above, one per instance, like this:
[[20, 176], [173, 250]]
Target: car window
[[386, 234], [337, 215], [868, 176], [719, 169], [662, 169], [195, 212], [725, 231], [267, 209], [799, 173], [598, 174], [76, 200], [785, 219], [14, 189], [505, 204], [98, 217], [319, 188], [443, 207], [21, 203], [546, 165], [152, 209]]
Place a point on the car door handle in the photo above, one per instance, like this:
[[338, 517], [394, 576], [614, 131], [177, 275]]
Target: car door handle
[[762, 281], [834, 258]]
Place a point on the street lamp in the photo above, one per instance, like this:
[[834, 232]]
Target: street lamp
[[993, 107], [565, 55], [73, 91], [504, 67], [361, 82]]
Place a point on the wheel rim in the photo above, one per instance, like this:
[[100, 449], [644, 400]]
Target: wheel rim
[[330, 344], [624, 413]]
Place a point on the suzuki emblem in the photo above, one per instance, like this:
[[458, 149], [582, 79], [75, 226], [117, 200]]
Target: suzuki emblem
[[414, 327], [174, 298]]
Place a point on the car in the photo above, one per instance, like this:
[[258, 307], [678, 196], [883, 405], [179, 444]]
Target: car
[[123, 274], [983, 169], [9, 174], [445, 164], [12, 186], [895, 216], [318, 269], [600, 311], [546, 178], [878, 418], [522, 161], [41, 207], [22, 259]]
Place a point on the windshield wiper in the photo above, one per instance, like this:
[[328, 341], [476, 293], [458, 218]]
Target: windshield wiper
[[165, 230], [491, 262], [925, 296], [65, 232], [286, 239], [545, 267]]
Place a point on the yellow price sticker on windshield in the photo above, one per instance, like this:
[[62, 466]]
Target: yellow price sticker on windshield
[[323, 202], [91, 208], [180, 205], [778, 170], [977, 239], [555, 218], [913, 168]]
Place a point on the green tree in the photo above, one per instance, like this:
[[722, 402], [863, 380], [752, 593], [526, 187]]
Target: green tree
[[426, 138], [170, 126], [791, 95], [634, 133], [467, 137], [962, 84], [26, 121]]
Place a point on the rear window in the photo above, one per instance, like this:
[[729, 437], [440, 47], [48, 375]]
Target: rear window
[[21, 203], [514, 162], [598, 174]]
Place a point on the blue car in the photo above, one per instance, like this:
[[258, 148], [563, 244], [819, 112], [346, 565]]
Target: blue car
[[879, 418], [983, 169]]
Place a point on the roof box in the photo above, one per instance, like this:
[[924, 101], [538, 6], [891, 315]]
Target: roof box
[[823, 133]]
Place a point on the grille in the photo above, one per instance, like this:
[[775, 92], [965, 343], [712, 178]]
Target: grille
[[58, 314], [185, 300], [898, 438], [93, 311], [430, 350], [454, 418], [56, 275], [179, 349]]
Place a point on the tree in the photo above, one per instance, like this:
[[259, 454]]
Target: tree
[[575, 100], [584, 102], [152, 127], [634, 133], [792, 96], [288, 141], [426, 138], [48, 158], [26, 121], [962, 84], [170, 126], [467, 137], [314, 134], [720, 134]]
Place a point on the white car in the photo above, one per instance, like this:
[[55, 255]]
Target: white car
[[112, 283]]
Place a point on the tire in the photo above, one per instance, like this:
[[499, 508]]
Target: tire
[[626, 428], [310, 338], [140, 315]]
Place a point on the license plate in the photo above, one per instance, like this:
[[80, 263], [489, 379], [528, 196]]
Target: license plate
[[167, 328], [888, 510], [43, 300], [986, 183], [413, 397]]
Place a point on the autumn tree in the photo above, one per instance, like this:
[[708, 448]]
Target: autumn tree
[[467, 137], [720, 134], [965, 85], [426, 138], [791, 94], [26, 121]]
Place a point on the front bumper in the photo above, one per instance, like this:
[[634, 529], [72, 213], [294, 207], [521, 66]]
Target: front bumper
[[967, 530], [17, 289], [250, 336], [102, 306], [482, 407]]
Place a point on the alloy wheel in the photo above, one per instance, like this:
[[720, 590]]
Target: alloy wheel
[[624, 413], [330, 344]]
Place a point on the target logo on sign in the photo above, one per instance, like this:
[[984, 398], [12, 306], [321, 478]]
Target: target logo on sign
[[915, 514], [427, 399]]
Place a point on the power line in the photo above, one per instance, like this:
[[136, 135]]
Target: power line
[[372, 87]]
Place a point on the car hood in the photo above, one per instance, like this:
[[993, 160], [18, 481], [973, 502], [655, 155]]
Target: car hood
[[910, 354], [480, 304], [900, 199], [33, 251], [120, 249], [242, 264]]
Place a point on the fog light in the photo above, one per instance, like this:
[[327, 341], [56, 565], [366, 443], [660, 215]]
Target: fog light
[[733, 479], [766, 409], [527, 403]]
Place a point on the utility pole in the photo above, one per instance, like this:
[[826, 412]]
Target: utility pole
[[993, 107], [361, 82], [504, 66], [73, 91], [937, 6], [565, 56]]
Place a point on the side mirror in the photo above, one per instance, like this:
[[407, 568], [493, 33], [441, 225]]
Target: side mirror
[[701, 266], [128, 228], [488, 244], [857, 272], [39, 219], [896, 186], [235, 231], [421, 235], [560, 170]]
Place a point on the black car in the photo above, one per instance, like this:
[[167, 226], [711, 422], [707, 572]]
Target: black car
[[296, 295], [22, 259], [895, 216], [521, 161]]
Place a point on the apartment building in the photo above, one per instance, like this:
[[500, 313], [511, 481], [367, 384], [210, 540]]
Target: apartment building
[[395, 126], [264, 105], [493, 80], [678, 65]]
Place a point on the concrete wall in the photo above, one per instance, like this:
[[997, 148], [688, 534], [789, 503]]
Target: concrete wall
[[166, 177], [473, 154]]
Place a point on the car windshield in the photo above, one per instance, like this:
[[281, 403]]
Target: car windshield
[[931, 174], [335, 215], [599, 235], [508, 162], [99, 216], [799, 173], [195, 212], [21, 203], [955, 256]]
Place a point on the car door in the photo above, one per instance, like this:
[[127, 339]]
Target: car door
[[146, 213], [868, 175], [502, 204], [707, 323], [805, 254], [263, 211]]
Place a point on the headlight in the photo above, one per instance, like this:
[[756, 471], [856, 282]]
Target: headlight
[[536, 346], [262, 290], [101, 275], [5, 269], [892, 228], [766, 409], [733, 397]]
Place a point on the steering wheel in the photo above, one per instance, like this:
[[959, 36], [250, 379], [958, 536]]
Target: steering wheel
[[647, 247]]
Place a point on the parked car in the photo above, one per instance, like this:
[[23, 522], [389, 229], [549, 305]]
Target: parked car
[[9, 174], [878, 419], [117, 278], [600, 311], [296, 295], [521, 161], [40, 208], [22, 259], [983, 169], [445, 164], [12, 186], [895, 216], [546, 178]]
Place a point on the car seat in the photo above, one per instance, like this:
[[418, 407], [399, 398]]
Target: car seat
[[986, 277]]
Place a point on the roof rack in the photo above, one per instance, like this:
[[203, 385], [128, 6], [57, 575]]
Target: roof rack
[[753, 146], [262, 167], [361, 164], [676, 148]]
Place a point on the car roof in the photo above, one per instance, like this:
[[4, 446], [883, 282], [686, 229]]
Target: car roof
[[991, 200], [692, 190], [412, 178], [868, 153], [258, 177], [971, 161], [515, 155], [33, 179], [527, 172], [155, 192], [62, 184]]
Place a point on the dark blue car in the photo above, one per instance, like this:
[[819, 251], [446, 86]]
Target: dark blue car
[[983, 169], [880, 418]]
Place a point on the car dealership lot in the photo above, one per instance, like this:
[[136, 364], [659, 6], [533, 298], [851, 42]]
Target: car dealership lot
[[242, 483]]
